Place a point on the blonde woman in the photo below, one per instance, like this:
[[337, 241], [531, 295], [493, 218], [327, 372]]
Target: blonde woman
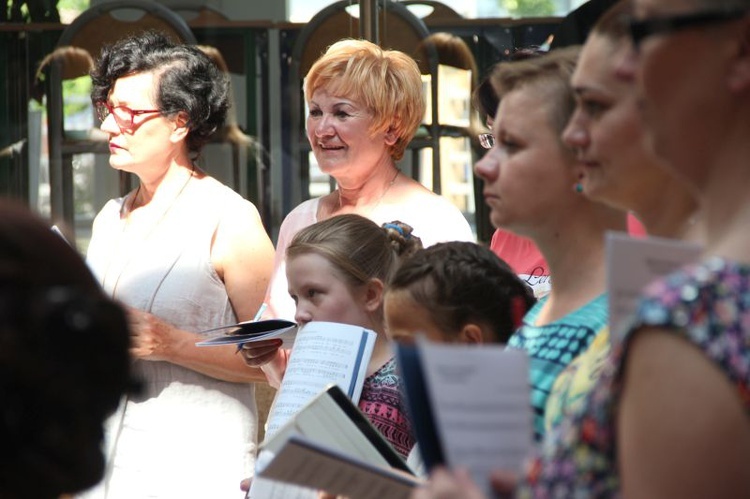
[[365, 106]]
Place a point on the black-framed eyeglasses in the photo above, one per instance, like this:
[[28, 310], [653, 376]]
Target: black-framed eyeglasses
[[643, 28], [124, 116], [486, 140]]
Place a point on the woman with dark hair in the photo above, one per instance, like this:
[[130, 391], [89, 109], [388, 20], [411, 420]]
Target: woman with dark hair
[[185, 254], [64, 362]]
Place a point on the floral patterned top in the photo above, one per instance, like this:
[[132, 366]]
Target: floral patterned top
[[707, 302]]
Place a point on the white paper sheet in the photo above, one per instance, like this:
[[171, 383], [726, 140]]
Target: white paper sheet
[[632, 263], [480, 402]]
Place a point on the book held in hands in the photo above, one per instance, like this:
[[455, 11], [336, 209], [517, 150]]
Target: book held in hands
[[330, 445], [324, 353], [469, 405], [250, 331]]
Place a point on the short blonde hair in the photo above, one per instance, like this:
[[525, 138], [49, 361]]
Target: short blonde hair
[[549, 74], [386, 82]]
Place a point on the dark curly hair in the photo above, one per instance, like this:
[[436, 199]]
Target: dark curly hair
[[188, 82], [462, 282], [64, 362]]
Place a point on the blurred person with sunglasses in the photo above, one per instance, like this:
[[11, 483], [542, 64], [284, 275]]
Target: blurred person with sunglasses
[[667, 415], [184, 253]]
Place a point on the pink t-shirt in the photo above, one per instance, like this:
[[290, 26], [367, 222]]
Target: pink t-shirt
[[525, 259], [522, 255]]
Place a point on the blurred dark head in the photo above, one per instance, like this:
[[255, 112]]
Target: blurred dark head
[[64, 362]]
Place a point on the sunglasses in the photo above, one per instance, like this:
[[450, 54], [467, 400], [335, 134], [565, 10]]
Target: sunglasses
[[643, 28]]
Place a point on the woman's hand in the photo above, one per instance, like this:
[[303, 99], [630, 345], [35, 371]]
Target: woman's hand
[[151, 337], [269, 356], [245, 484], [260, 353], [445, 484]]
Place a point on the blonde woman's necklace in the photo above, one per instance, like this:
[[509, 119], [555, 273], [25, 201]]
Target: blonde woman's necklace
[[382, 196], [390, 184]]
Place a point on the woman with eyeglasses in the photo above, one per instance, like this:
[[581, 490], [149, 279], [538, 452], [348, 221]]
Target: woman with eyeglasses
[[530, 179], [184, 253], [686, 421], [520, 253]]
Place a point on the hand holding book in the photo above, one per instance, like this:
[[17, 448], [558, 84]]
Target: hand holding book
[[251, 331], [330, 445], [324, 353], [261, 352]]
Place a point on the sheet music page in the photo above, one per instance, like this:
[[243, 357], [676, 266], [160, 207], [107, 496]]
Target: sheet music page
[[632, 263], [480, 398], [323, 353]]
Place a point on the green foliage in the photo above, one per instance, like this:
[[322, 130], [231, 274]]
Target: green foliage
[[74, 5], [529, 8], [25, 11], [76, 95]]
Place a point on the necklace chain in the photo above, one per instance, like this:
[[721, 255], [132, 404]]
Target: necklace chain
[[377, 203]]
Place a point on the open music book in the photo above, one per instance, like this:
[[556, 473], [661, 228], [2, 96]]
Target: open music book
[[330, 445], [471, 403], [323, 353]]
